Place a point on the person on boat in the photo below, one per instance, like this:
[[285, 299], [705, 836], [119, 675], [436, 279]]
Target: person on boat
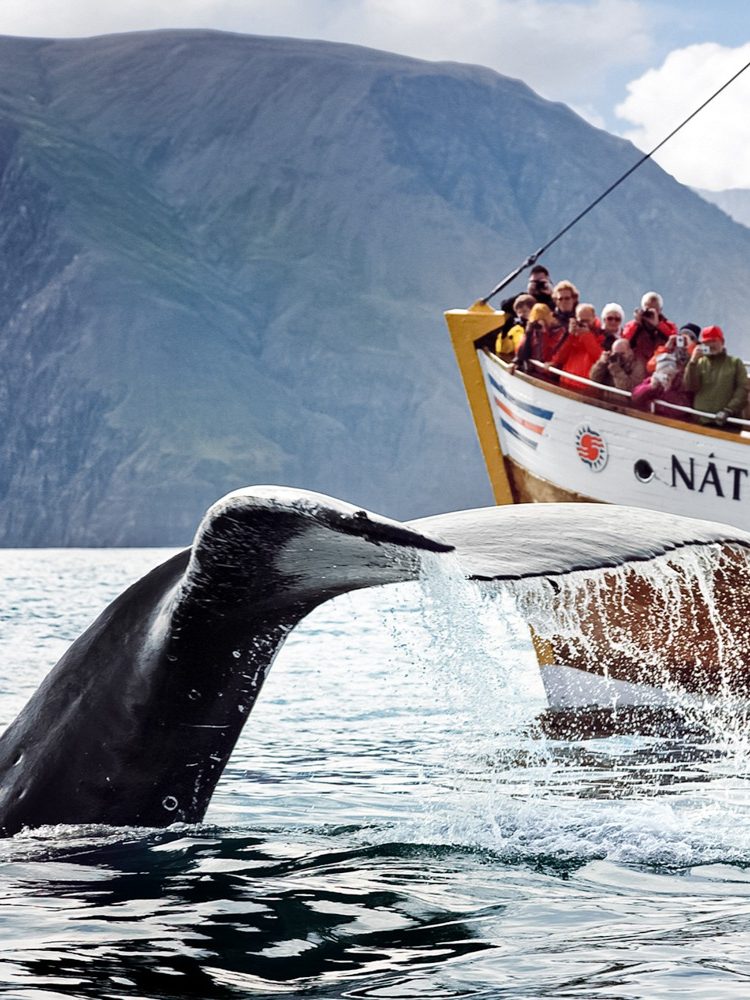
[[580, 349], [586, 315], [693, 332], [644, 333], [509, 339], [665, 384], [652, 300], [566, 298], [718, 380], [540, 285], [613, 316], [539, 289], [619, 367], [542, 338]]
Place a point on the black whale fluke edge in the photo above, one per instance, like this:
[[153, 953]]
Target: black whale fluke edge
[[136, 722]]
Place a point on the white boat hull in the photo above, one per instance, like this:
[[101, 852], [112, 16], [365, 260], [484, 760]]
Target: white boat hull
[[599, 452], [570, 688]]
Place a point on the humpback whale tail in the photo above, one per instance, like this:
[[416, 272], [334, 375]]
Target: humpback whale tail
[[137, 721]]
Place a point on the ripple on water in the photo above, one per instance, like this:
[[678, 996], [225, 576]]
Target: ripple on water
[[392, 824]]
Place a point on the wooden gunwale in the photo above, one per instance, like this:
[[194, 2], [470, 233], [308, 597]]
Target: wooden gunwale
[[603, 404]]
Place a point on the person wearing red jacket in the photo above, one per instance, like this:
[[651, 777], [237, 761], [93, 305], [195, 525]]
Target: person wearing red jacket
[[580, 350], [652, 300], [644, 334], [650, 328]]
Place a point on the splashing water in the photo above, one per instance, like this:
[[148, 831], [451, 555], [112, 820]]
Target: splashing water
[[469, 642], [691, 642], [669, 799]]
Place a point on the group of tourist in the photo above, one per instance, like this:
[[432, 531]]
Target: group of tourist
[[649, 357]]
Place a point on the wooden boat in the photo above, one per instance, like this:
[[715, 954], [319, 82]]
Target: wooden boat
[[545, 443], [542, 442]]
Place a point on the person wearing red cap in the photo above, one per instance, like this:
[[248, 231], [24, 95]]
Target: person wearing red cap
[[718, 380]]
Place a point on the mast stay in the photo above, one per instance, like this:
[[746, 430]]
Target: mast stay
[[532, 258]]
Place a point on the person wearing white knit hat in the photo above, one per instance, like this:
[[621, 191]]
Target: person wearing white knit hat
[[613, 316]]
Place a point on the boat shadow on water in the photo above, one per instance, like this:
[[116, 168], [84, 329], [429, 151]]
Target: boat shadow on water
[[693, 731]]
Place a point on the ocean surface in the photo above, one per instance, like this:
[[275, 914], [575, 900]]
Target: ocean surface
[[393, 824]]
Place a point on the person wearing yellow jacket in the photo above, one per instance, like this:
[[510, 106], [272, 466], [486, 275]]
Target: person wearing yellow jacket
[[718, 380]]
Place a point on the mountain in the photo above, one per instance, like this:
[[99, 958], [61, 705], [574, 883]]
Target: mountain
[[226, 258], [734, 201]]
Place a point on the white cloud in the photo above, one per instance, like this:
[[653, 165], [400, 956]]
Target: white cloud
[[713, 150], [560, 47]]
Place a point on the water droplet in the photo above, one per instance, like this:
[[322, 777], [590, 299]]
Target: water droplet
[[236, 654], [194, 695], [169, 803]]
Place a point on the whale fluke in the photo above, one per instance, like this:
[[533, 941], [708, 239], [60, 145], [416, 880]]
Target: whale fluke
[[554, 539], [136, 722]]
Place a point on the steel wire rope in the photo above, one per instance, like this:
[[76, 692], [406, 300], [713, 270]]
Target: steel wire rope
[[532, 258]]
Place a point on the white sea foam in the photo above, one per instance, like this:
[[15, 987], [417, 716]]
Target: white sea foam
[[507, 789]]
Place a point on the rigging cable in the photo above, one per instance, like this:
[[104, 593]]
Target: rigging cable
[[532, 259]]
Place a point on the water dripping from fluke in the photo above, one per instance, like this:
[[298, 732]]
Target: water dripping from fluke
[[659, 645], [655, 649]]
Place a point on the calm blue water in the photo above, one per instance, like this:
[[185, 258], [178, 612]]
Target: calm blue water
[[392, 825]]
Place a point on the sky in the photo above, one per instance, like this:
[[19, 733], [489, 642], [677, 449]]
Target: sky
[[634, 67]]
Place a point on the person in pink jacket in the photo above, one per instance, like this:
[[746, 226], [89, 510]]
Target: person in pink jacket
[[665, 384]]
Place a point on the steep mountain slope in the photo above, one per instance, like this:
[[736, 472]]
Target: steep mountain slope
[[226, 259], [734, 201]]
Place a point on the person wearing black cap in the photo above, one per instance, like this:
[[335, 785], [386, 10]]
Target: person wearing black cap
[[692, 330], [718, 380], [539, 287], [684, 343]]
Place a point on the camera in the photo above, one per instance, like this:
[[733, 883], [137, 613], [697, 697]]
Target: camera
[[704, 348], [649, 314], [681, 341], [539, 286], [615, 359]]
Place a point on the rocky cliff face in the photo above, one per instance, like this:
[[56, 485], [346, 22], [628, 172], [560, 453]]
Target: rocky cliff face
[[225, 261]]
